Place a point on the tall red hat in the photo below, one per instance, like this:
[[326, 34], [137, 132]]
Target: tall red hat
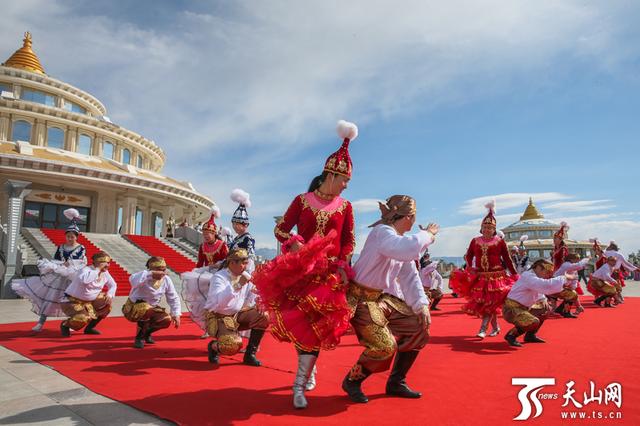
[[210, 225], [340, 161], [562, 232], [490, 218]]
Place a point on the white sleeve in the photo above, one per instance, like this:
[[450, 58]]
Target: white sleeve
[[436, 280], [172, 297], [111, 285], [401, 247], [546, 286], [411, 287], [628, 266], [139, 278]]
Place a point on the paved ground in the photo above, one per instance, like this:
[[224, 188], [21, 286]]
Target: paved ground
[[32, 394]]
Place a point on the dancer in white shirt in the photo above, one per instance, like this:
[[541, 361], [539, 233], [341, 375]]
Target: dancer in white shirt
[[431, 281], [572, 264], [143, 305], [391, 314], [526, 306], [602, 283], [83, 300]]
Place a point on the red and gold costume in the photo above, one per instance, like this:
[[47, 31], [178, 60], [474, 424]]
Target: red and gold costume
[[486, 285], [215, 251], [560, 250]]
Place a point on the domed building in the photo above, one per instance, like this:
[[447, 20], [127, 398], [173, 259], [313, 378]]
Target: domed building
[[59, 149], [540, 232]]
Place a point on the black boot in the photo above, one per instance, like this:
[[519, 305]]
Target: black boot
[[434, 305], [511, 338], [214, 358], [91, 327], [599, 300], [139, 340], [65, 330], [530, 337], [352, 382], [560, 308], [252, 348], [147, 336], [397, 385]]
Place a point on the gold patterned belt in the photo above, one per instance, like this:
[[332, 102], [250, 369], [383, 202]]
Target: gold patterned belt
[[494, 274], [361, 292], [510, 303], [75, 299]]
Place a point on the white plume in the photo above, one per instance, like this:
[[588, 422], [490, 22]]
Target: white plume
[[71, 214], [524, 238], [491, 205], [500, 234], [241, 197], [215, 211], [612, 242], [347, 130], [226, 232]]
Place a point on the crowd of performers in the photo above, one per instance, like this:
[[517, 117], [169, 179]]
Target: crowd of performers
[[312, 293]]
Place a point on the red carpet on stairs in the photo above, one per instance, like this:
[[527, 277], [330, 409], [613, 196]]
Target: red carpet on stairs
[[119, 274], [154, 247], [464, 380]]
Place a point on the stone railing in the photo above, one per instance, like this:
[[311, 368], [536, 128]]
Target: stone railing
[[189, 234]]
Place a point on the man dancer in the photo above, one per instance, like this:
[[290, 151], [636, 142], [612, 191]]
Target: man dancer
[[83, 301], [526, 306], [391, 309], [431, 281], [602, 284], [230, 308]]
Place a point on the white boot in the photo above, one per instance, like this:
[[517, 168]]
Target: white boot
[[495, 327], [483, 327], [311, 383], [306, 362]]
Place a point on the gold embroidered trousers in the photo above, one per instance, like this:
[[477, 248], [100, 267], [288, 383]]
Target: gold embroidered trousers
[[523, 318], [80, 312], [384, 324], [156, 316], [225, 328]]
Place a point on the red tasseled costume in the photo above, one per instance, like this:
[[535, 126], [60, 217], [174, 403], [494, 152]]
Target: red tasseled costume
[[305, 296]]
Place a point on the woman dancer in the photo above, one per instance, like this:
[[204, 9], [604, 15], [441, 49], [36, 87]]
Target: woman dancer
[[486, 285], [304, 290], [46, 290]]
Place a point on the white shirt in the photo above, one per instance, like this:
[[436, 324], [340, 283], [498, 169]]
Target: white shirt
[[386, 263], [223, 298], [620, 260], [88, 284], [571, 268], [530, 288], [431, 278], [142, 289], [604, 273]]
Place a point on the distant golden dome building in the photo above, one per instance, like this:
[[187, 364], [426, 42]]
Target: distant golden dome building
[[540, 232], [58, 149]]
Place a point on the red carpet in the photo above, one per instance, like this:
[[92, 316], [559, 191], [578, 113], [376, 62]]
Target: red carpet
[[119, 274], [154, 247], [464, 380]]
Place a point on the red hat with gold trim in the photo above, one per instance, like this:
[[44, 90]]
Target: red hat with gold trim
[[490, 218], [210, 225], [340, 161], [562, 232]]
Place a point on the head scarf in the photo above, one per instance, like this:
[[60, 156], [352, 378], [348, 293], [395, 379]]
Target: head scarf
[[396, 207]]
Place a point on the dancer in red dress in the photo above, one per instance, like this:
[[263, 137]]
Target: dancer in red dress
[[560, 250], [212, 250], [304, 289], [485, 285]]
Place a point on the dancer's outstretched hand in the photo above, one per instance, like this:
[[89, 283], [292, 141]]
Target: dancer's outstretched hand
[[432, 228], [176, 321], [424, 317]]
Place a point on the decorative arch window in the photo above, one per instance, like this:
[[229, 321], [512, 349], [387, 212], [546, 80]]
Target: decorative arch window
[[21, 131], [55, 137], [107, 150], [38, 97], [126, 156], [139, 161], [84, 144]]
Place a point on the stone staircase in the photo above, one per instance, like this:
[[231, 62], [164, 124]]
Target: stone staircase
[[183, 247], [126, 254], [38, 245]]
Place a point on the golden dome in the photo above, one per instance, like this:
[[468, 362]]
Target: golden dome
[[24, 58], [531, 212]]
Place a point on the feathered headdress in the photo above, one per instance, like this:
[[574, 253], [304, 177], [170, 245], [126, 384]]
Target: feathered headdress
[[562, 232], [210, 225], [244, 201], [73, 215], [340, 161], [522, 240], [490, 218]]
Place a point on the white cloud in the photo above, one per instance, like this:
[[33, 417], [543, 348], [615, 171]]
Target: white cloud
[[579, 206], [365, 205], [476, 206]]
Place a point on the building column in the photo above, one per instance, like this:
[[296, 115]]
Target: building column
[[4, 128], [129, 215], [16, 190], [71, 140], [39, 130]]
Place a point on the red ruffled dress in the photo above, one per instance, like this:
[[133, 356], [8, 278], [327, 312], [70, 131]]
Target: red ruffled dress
[[210, 253], [486, 286], [304, 292]]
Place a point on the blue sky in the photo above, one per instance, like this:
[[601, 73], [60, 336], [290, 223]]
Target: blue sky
[[456, 102]]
